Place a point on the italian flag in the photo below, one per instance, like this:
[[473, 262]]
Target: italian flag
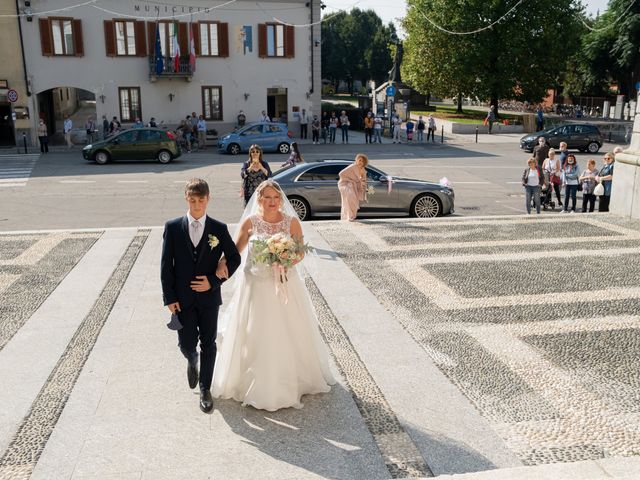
[[176, 49], [192, 49]]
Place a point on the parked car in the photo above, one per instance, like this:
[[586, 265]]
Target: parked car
[[312, 189], [583, 137], [271, 136], [135, 144]]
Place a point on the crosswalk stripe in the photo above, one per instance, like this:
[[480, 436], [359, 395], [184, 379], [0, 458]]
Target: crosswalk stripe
[[16, 171]]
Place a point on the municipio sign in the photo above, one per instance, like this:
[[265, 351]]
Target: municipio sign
[[12, 96]]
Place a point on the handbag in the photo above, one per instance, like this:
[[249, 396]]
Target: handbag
[[599, 190], [580, 187], [555, 179]]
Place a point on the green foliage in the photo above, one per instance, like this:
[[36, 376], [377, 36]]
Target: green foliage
[[610, 53], [519, 58], [355, 46]]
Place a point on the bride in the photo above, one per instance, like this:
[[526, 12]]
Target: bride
[[270, 351]]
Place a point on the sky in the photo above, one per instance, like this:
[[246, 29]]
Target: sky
[[389, 10]]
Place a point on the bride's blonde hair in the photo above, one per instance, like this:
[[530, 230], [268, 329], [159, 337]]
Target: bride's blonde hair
[[268, 184]]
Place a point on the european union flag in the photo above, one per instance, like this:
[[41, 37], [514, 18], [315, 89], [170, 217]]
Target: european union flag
[[159, 59]]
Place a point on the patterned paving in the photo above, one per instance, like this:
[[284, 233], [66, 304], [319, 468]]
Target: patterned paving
[[534, 320]]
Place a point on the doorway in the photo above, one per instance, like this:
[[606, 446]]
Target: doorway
[[277, 107], [7, 135]]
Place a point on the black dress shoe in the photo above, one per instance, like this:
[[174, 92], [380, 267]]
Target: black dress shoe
[[206, 401], [192, 375]]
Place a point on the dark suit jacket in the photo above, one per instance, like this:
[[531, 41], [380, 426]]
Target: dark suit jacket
[[178, 268]]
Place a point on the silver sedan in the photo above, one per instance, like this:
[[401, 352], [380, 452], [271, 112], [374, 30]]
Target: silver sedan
[[312, 189]]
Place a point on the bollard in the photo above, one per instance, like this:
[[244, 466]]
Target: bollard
[[24, 142], [442, 134], [476, 134]]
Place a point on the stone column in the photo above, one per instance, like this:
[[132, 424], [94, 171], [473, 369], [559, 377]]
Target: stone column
[[625, 189]]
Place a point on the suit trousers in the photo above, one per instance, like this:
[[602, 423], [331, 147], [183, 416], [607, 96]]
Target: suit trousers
[[200, 323]]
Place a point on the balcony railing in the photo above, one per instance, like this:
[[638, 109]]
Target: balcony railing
[[168, 70]]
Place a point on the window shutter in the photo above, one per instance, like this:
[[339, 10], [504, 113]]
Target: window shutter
[[262, 40], [141, 39], [110, 38], [183, 38], [151, 37], [223, 39], [45, 37], [196, 38], [289, 41], [78, 43]]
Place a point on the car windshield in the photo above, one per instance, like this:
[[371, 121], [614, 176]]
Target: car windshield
[[283, 169]]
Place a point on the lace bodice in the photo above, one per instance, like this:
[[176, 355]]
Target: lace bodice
[[260, 229]]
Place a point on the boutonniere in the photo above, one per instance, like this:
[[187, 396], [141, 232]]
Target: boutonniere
[[213, 241]]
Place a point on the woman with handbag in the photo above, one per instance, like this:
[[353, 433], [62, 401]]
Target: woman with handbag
[[551, 168], [533, 181], [604, 176], [588, 182], [570, 175]]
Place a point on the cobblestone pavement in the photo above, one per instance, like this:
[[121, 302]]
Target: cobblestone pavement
[[534, 320]]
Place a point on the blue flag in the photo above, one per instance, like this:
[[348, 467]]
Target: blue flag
[[159, 59]]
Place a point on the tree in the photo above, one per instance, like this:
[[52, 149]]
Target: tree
[[520, 57], [609, 53], [355, 46]]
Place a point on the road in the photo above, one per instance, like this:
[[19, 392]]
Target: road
[[62, 190]]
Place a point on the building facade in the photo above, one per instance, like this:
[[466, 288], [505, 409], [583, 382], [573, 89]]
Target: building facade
[[143, 59]]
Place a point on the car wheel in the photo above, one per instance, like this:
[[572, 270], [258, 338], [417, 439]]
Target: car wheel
[[593, 147], [233, 149], [301, 206], [101, 157], [284, 147], [164, 156], [426, 205]]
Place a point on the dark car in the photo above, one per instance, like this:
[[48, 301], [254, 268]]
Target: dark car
[[135, 144], [583, 137], [312, 189]]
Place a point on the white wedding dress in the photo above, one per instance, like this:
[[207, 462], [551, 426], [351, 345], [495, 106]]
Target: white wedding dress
[[270, 351]]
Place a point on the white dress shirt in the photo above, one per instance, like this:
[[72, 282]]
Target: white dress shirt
[[196, 234]]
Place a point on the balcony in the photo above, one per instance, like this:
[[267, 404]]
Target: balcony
[[168, 71]]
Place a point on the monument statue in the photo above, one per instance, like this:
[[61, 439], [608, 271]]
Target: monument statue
[[394, 73]]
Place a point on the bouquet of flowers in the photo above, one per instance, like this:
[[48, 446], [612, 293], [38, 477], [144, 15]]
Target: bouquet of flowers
[[280, 251]]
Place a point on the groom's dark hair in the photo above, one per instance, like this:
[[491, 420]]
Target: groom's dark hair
[[196, 187]]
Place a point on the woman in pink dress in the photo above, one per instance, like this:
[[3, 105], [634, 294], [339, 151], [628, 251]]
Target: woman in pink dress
[[353, 187]]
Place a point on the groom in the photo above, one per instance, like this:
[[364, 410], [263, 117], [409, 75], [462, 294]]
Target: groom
[[192, 246]]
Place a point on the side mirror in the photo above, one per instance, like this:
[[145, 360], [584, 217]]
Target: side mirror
[[115, 141], [383, 179]]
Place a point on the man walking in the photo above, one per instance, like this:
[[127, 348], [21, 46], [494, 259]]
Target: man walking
[[304, 122], [66, 128], [192, 246]]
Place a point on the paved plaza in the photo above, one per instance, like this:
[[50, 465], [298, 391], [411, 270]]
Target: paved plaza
[[482, 348]]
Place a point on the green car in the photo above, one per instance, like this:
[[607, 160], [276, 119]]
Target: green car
[[135, 144]]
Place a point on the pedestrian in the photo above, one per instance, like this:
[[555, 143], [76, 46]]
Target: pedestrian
[[187, 131], [333, 126], [90, 128], [324, 125], [397, 124], [431, 125], [315, 130], [67, 127], [105, 127], [552, 173], [114, 126], [152, 123], [491, 117], [353, 187], [368, 128], [410, 126], [344, 126], [541, 151], [194, 128], [138, 123], [43, 137], [264, 118], [295, 156], [605, 175], [533, 182], [254, 171], [377, 129], [539, 118], [564, 151], [304, 122], [202, 132], [570, 176], [241, 119], [420, 128], [588, 179]]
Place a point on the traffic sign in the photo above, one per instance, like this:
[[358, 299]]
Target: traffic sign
[[391, 91], [638, 87], [12, 96]]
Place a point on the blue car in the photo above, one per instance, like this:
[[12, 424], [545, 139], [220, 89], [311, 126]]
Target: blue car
[[271, 136]]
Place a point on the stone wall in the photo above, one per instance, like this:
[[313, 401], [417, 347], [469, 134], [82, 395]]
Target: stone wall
[[625, 190]]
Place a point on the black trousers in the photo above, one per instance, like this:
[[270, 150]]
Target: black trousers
[[200, 323], [368, 135], [303, 130], [603, 205], [315, 134], [588, 199]]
